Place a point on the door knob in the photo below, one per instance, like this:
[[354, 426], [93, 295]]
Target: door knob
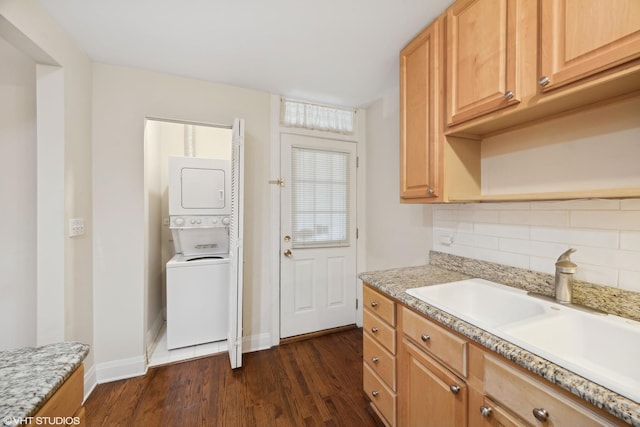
[[288, 253]]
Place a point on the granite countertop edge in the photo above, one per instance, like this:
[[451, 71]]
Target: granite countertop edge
[[394, 283], [30, 376]]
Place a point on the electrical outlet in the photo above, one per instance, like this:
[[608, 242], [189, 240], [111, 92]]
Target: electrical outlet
[[76, 227]]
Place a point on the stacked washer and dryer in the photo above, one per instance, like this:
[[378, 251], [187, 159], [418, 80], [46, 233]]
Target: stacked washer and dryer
[[198, 273]]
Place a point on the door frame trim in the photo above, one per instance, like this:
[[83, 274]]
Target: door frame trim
[[359, 138]]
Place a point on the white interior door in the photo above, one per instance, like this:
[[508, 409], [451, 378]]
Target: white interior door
[[236, 256], [318, 226]]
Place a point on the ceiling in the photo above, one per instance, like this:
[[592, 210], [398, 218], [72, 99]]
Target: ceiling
[[341, 52]]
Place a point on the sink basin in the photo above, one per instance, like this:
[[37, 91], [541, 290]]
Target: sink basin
[[481, 302], [605, 349], [602, 348]]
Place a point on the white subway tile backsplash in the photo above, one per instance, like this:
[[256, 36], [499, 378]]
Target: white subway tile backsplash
[[629, 280], [598, 274], [552, 218], [630, 240], [517, 246], [592, 204], [551, 234], [606, 234], [499, 257], [608, 220], [630, 204], [492, 216], [502, 230], [542, 264]]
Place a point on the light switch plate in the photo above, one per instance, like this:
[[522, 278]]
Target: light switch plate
[[76, 227]]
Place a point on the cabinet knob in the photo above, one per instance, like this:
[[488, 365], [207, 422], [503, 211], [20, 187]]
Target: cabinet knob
[[508, 95], [455, 389], [543, 81], [425, 337], [541, 414], [374, 304], [375, 393], [430, 190], [374, 329], [374, 359], [485, 411]]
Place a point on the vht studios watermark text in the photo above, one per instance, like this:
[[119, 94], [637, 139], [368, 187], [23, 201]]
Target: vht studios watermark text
[[41, 421]]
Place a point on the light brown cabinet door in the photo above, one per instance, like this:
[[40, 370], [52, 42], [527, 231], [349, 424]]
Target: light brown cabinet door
[[579, 38], [481, 58], [428, 394], [419, 132]]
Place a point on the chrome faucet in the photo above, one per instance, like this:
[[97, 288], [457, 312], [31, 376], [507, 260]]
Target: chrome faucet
[[565, 269]]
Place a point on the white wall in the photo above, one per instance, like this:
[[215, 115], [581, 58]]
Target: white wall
[[28, 27], [398, 235], [18, 195], [123, 97]]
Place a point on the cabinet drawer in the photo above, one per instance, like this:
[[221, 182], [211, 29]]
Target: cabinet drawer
[[381, 395], [379, 304], [380, 361], [524, 395], [447, 347], [380, 331]]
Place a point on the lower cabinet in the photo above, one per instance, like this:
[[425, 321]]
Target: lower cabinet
[[65, 406], [531, 401], [429, 394], [421, 373]]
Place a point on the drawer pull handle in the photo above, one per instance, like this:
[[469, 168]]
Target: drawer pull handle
[[374, 359], [375, 393], [486, 411], [374, 304], [425, 337], [541, 414], [374, 329], [455, 389]]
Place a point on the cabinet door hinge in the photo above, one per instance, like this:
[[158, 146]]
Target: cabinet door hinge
[[357, 162], [356, 303], [357, 233]]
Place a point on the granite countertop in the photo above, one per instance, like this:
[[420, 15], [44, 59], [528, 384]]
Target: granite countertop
[[395, 282], [30, 376]]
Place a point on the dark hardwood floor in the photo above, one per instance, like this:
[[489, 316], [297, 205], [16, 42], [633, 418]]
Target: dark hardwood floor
[[315, 382]]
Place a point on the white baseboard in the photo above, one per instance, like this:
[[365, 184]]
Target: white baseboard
[[136, 366], [121, 369], [90, 382], [152, 334]]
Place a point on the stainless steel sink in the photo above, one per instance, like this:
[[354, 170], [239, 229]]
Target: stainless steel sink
[[603, 349]]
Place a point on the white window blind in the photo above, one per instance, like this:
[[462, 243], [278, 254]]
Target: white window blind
[[317, 117], [320, 198]]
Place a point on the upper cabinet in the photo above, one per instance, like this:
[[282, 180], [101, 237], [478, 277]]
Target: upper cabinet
[[481, 58], [513, 62], [491, 68], [579, 38], [419, 100]]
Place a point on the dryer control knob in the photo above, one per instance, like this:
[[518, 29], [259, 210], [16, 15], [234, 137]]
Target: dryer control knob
[[198, 221], [193, 221], [179, 221], [226, 220], [214, 220]]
